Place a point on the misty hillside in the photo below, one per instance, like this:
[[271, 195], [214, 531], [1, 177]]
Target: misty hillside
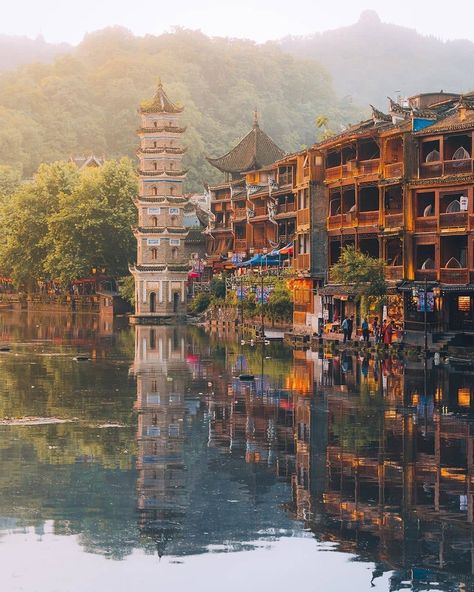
[[370, 60], [15, 51], [86, 101]]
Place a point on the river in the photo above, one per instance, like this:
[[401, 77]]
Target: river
[[152, 465]]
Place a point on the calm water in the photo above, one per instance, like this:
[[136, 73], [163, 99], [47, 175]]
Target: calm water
[[165, 471]]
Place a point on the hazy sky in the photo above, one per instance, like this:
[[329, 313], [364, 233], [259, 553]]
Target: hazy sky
[[69, 20]]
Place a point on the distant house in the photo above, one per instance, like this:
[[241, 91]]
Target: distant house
[[84, 162]]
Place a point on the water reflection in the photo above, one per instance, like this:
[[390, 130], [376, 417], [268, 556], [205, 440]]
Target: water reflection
[[166, 451]]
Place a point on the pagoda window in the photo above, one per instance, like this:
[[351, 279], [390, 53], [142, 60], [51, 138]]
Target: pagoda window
[[154, 254], [370, 246], [333, 159], [453, 252], [154, 221], [425, 257], [425, 204], [155, 123], [154, 144], [335, 204], [171, 165], [155, 165], [155, 190], [172, 190], [368, 150], [174, 253], [394, 252], [458, 147], [453, 206], [369, 199], [393, 199], [430, 151], [348, 201]]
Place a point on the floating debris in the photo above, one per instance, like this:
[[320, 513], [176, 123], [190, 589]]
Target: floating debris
[[5, 348], [111, 425], [32, 421], [81, 358]]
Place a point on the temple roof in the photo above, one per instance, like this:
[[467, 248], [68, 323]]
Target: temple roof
[[254, 151], [160, 103]]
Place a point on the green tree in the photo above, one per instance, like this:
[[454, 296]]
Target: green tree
[[127, 289], [280, 303], [92, 226], [362, 273], [10, 179]]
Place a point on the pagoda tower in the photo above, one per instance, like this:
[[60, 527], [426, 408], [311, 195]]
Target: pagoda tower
[[162, 266]]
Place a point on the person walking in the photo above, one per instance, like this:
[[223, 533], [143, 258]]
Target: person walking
[[365, 330], [345, 329]]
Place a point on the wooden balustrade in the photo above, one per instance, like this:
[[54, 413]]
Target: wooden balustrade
[[428, 274], [335, 222], [393, 220], [426, 224], [240, 213], [393, 170], [261, 211], [368, 218], [333, 173], [453, 276], [431, 169], [457, 167], [453, 220], [302, 217], [394, 272], [240, 244], [369, 167], [285, 208]]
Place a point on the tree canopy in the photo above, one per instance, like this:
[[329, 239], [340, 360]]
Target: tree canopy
[[362, 273], [86, 100], [65, 222]]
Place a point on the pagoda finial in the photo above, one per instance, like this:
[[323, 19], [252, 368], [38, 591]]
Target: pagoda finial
[[255, 117], [160, 84]]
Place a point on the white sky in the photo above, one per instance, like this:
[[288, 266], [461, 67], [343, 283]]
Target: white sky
[[69, 20]]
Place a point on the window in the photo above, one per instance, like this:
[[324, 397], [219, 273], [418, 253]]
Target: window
[[153, 399], [155, 165], [175, 242], [154, 254], [154, 211], [172, 188], [154, 221], [174, 211], [154, 144], [155, 191], [153, 242], [155, 123]]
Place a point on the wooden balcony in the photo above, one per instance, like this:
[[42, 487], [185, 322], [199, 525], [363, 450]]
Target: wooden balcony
[[261, 211], [335, 222], [393, 221], [302, 262], [302, 217], [369, 167], [454, 276], [429, 274], [394, 272], [260, 243], [429, 224], [446, 167], [240, 213], [393, 170], [286, 208], [454, 220], [368, 218], [333, 173], [240, 245]]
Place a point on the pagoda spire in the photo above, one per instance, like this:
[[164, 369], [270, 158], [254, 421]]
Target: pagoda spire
[[255, 118]]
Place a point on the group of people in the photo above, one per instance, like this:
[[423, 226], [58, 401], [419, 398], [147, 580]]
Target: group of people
[[382, 333]]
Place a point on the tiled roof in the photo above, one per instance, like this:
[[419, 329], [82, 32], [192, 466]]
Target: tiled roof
[[160, 103], [452, 122], [254, 151]]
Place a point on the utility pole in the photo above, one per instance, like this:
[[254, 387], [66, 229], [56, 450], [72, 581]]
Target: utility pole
[[241, 302], [425, 308], [262, 320]]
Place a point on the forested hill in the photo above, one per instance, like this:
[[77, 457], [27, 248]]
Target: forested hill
[[15, 51], [371, 59], [86, 101]]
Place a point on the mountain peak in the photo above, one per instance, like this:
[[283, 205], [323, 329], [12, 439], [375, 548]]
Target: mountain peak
[[369, 17]]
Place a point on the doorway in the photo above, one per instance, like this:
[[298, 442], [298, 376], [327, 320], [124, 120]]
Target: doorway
[[175, 302], [153, 302]]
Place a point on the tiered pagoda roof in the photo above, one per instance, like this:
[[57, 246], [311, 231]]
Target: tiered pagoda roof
[[254, 151], [160, 103]]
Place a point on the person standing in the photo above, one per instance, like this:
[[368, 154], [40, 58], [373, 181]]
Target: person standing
[[350, 327], [376, 329], [365, 330], [345, 329], [388, 333]]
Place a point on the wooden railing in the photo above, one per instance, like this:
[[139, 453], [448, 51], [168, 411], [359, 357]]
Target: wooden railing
[[302, 217], [428, 274], [369, 167], [285, 208], [335, 222], [285, 179], [240, 245], [394, 272], [302, 261], [240, 213], [454, 276], [431, 169], [424, 224], [393, 220], [260, 243], [454, 220], [393, 170], [368, 218], [260, 211], [333, 173], [457, 167]]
